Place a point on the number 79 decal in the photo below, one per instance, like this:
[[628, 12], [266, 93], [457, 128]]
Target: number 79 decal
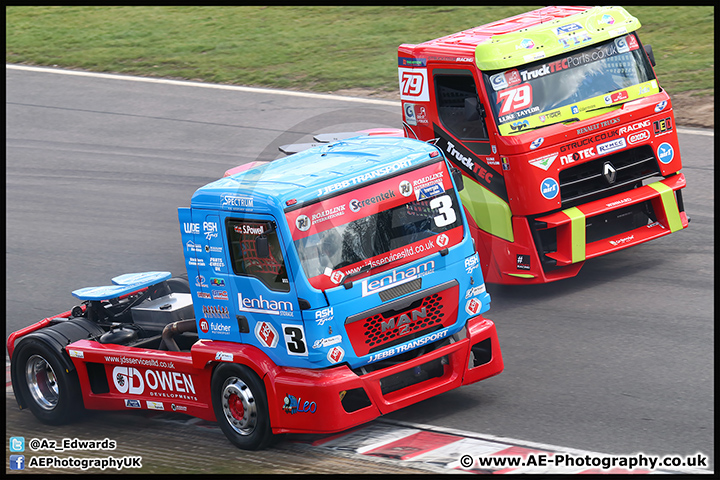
[[515, 99]]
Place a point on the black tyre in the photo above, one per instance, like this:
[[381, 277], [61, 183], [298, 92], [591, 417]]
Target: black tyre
[[240, 405], [50, 392]]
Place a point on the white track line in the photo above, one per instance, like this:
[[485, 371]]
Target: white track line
[[237, 88]]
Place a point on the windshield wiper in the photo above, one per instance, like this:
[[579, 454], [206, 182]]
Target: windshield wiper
[[609, 106], [569, 120]]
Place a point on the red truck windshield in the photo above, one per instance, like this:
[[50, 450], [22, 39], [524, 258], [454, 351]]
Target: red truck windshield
[[569, 87], [393, 221]]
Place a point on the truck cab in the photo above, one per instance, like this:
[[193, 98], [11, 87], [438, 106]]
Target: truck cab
[[320, 260], [560, 126]]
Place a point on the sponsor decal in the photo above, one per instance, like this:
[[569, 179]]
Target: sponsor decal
[[474, 291], [249, 229], [191, 228], [397, 277], [665, 153], [220, 329], [544, 162], [410, 117], [574, 109], [523, 262], [326, 342], [217, 263], [204, 295], [197, 262], [549, 188], [633, 127], [405, 188], [595, 126], [151, 405], [294, 405], [231, 200], [133, 381], [193, 247], [336, 276], [413, 84], [471, 263], [266, 334], [215, 311], [638, 137], [178, 408], [131, 403], [269, 307], [217, 282], [611, 146], [473, 306], [219, 294], [224, 356], [302, 222], [622, 241], [418, 342], [526, 43], [364, 177], [573, 40], [335, 355], [468, 162], [520, 125], [76, 353], [324, 315], [204, 325], [616, 97], [565, 29], [536, 143], [200, 281], [411, 62], [210, 230], [618, 202], [621, 45], [442, 240], [661, 106], [661, 127], [356, 205], [505, 163], [607, 19], [430, 191]]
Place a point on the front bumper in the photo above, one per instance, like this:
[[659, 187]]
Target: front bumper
[[335, 399]]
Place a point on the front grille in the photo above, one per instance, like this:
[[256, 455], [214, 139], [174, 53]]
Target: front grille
[[403, 319], [585, 182]]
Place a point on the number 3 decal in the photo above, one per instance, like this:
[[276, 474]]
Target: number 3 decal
[[444, 206], [295, 340], [515, 99]]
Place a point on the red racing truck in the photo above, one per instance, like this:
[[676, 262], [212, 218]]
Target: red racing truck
[[565, 137]]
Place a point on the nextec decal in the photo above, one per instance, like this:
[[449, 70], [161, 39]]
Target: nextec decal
[[396, 277]]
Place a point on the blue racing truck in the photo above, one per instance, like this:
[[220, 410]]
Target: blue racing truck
[[324, 289]]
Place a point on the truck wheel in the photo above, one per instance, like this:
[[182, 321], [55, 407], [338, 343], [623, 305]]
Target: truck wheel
[[240, 406], [52, 393]]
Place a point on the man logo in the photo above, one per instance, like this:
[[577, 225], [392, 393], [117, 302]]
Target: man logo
[[404, 321]]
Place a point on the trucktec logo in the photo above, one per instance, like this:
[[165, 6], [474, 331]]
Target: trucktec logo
[[404, 321], [266, 334], [609, 173]]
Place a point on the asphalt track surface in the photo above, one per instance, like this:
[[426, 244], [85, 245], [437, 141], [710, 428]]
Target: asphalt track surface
[[618, 360]]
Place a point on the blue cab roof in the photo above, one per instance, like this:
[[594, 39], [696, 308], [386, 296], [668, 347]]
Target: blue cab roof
[[312, 173]]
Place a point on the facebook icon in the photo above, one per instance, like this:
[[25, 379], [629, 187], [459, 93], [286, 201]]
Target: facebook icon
[[17, 462]]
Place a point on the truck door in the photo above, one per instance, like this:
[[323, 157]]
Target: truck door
[[263, 295]]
